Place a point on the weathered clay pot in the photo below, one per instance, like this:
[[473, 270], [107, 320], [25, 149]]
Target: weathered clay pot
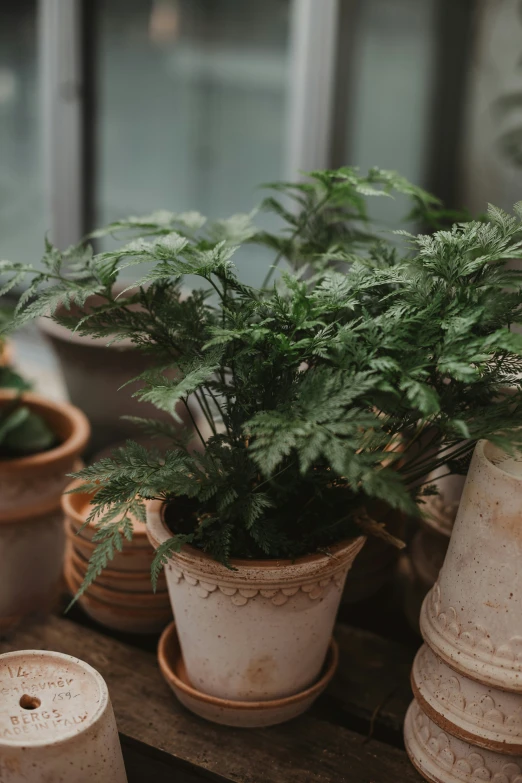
[[442, 758], [246, 714], [128, 581], [107, 368], [259, 630], [56, 721], [31, 525], [472, 617], [128, 618], [484, 716], [136, 555]]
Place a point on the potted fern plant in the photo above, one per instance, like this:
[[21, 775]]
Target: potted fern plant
[[327, 398]]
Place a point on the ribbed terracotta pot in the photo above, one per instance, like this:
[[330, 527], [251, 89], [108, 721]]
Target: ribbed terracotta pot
[[56, 722], [259, 630], [443, 758], [31, 524], [472, 617]]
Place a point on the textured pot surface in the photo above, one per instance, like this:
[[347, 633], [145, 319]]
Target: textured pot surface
[[257, 632], [31, 522], [56, 721], [245, 714], [442, 758], [472, 617], [32, 486], [485, 716]]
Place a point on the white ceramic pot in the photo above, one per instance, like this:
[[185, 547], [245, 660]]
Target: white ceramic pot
[[472, 617], [484, 716], [260, 631], [442, 758], [56, 721]]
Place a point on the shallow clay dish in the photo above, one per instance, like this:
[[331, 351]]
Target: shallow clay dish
[[243, 714]]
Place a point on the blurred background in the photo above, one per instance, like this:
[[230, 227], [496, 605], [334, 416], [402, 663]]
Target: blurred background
[[125, 106]]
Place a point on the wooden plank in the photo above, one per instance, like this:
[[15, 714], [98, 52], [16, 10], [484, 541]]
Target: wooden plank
[[154, 725], [371, 690]]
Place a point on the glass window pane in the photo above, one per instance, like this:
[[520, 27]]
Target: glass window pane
[[391, 91], [191, 100], [22, 215]]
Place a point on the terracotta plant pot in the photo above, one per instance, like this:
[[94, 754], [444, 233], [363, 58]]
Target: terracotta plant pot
[[56, 721], [31, 526], [442, 758], [107, 368], [260, 631], [472, 617], [122, 597], [127, 618], [129, 581]]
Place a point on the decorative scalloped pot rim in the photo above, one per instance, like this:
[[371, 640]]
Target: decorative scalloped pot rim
[[442, 758], [258, 632], [476, 713]]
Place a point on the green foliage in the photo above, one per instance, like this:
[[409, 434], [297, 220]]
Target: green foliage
[[22, 431], [325, 395]]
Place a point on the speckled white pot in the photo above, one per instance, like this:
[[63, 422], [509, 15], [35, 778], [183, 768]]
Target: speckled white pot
[[66, 731], [442, 758], [484, 716], [472, 617], [260, 631]]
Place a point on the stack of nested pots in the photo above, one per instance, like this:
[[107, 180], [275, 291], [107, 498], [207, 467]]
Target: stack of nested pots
[[465, 723], [121, 598]]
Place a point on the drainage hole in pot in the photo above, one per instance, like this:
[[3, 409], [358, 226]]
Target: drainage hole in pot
[[29, 702]]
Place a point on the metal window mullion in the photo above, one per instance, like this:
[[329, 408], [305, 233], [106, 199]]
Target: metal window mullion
[[313, 44], [60, 56]]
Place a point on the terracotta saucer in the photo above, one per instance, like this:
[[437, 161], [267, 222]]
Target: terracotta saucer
[[243, 714]]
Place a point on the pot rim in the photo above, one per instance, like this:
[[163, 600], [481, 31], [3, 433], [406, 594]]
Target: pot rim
[[70, 511], [158, 532], [481, 448], [72, 446], [170, 635]]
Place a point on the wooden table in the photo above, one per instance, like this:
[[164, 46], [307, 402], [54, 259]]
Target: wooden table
[[353, 734]]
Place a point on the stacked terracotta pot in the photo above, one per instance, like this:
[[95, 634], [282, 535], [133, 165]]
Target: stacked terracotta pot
[[465, 723], [121, 598]]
